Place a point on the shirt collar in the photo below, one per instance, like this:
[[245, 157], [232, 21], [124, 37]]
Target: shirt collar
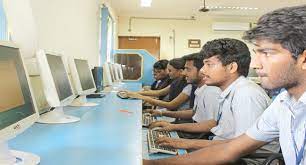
[[200, 89], [303, 98], [289, 101], [231, 87], [286, 97]]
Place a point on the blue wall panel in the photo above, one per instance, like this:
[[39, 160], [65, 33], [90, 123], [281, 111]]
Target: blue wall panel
[[148, 61]]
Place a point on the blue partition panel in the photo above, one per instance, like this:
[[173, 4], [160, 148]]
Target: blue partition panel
[[148, 61]]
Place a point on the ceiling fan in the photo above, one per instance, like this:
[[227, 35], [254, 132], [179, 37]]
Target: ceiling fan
[[204, 9]]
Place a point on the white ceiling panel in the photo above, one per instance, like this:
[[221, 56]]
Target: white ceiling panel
[[187, 8]]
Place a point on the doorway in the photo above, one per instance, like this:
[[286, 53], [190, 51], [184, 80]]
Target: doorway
[[151, 44]]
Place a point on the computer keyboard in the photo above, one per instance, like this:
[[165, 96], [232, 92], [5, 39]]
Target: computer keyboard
[[147, 119], [152, 136]]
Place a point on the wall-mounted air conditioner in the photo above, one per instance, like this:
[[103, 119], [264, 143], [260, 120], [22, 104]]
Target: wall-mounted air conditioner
[[231, 26]]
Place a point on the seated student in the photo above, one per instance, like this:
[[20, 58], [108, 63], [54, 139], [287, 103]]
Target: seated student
[[206, 97], [179, 91], [160, 74], [226, 63], [162, 80], [280, 62]]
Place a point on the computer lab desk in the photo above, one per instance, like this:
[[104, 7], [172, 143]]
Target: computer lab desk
[[108, 134]]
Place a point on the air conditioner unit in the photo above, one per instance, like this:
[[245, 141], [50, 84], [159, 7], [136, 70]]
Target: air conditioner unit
[[230, 26]]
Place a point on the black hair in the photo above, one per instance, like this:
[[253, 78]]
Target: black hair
[[161, 64], [286, 26], [177, 63], [229, 50], [196, 58]]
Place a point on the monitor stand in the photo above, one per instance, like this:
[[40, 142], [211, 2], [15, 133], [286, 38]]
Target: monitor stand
[[57, 116], [81, 101], [107, 89], [13, 157]]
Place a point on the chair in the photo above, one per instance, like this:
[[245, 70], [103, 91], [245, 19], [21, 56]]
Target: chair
[[269, 157]]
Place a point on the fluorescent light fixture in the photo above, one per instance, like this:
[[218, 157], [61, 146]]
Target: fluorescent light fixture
[[145, 3], [233, 7]]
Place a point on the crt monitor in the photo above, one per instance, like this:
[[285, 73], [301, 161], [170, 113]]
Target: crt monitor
[[97, 73], [82, 76], [18, 110], [120, 72], [57, 87], [111, 77], [115, 72], [107, 78], [83, 81], [112, 72]]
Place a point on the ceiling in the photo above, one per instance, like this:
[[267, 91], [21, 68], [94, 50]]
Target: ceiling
[[188, 8]]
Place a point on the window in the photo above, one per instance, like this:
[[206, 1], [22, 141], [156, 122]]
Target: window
[[109, 39], [106, 36]]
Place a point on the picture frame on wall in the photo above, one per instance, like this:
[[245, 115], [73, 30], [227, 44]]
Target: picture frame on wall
[[194, 43]]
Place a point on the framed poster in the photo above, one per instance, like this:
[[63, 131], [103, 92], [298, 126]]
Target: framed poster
[[194, 43]]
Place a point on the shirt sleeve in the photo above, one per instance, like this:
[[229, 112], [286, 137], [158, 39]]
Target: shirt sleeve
[[248, 105], [187, 89], [266, 127]]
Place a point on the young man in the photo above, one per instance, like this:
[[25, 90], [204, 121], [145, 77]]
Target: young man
[[280, 62], [160, 73], [226, 63], [205, 106]]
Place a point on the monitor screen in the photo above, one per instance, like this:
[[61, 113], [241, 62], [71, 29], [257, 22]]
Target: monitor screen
[[60, 77], [84, 74], [15, 97], [97, 73]]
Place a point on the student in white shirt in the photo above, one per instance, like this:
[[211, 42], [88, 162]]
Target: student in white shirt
[[280, 62], [205, 106], [226, 63]]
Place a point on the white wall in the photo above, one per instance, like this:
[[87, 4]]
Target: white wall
[[184, 29], [70, 27]]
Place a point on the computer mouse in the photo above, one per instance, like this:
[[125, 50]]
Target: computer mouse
[[122, 95]]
